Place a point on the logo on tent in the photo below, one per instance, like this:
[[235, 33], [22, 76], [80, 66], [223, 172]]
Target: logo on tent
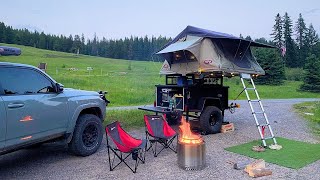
[[208, 61], [166, 67]]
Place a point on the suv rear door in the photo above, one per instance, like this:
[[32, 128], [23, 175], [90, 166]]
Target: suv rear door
[[34, 109]]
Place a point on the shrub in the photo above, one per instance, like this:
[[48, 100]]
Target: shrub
[[294, 74], [311, 81]]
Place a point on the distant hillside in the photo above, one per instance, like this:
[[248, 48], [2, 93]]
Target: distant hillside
[[131, 48]]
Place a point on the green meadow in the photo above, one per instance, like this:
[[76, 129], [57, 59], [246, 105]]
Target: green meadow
[[128, 82], [311, 112]]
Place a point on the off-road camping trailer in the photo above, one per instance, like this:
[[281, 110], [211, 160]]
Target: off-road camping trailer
[[196, 62]]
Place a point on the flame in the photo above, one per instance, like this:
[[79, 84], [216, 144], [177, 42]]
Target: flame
[[186, 135]]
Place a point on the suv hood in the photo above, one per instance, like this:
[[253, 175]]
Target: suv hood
[[75, 92]]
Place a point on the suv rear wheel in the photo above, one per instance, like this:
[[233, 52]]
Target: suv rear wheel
[[87, 135], [211, 120]]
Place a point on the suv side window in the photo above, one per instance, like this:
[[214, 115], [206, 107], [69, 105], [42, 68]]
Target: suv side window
[[24, 81]]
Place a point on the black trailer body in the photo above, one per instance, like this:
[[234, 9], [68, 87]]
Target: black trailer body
[[192, 96]]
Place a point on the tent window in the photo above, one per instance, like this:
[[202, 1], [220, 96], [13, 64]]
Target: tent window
[[183, 56]]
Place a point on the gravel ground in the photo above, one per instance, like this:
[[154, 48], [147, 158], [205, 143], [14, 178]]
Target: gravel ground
[[52, 161]]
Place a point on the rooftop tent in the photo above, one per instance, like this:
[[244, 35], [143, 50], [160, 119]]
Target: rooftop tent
[[199, 50]]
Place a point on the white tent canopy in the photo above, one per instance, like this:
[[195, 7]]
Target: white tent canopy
[[200, 50], [200, 54]]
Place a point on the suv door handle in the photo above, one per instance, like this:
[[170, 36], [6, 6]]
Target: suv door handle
[[15, 105]]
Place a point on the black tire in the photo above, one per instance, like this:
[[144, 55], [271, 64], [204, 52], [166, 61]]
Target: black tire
[[211, 120], [87, 135]]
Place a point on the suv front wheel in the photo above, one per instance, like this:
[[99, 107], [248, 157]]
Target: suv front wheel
[[87, 135]]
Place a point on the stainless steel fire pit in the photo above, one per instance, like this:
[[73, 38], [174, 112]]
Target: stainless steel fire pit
[[191, 156]]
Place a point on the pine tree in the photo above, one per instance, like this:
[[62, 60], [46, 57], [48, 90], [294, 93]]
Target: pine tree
[[277, 32], [312, 39], [248, 38], [76, 45], [301, 30], [271, 62], [94, 49], [2, 32], [9, 35], [42, 41], [312, 76], [290, 56]]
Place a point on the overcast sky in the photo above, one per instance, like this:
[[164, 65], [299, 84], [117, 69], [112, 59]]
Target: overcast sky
[[120, 18]]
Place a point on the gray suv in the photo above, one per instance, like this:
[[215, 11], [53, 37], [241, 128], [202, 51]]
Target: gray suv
[[35, 109]]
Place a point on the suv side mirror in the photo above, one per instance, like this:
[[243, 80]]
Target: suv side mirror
[[59, 87]]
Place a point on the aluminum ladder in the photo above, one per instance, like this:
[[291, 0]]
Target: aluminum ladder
[[260, 125]]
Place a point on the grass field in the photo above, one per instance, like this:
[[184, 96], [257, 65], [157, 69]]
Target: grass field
[[128, 82], [310, 111], [294, 154]]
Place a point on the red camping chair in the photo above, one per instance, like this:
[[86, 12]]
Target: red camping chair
[[125, 144], [159, 132]]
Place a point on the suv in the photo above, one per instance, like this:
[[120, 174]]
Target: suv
[[35, 109]]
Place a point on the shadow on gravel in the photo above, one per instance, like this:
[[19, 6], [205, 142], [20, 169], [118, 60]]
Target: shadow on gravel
[[34, 158]]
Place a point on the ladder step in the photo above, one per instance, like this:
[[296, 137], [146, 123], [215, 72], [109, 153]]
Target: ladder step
[[250, 89], [258, 100], [260, 125], [259, 112], [266, 138], [245, 76]]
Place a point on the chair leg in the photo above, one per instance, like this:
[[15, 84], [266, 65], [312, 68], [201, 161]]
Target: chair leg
[[109, 158], [142, 155], [123, 158], [115, 154], [165, 144], [148, 140], [155, 149], [170, 142]]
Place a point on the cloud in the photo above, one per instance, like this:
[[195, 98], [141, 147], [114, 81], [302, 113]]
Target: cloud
[[311, 11]]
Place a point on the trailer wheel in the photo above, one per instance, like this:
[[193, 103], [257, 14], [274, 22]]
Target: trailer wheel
[[211, 120]]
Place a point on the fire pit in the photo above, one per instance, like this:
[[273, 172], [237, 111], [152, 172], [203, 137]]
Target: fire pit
[[191, 148]]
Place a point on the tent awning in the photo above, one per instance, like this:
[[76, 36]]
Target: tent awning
[[178, 46], [198, 32]]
